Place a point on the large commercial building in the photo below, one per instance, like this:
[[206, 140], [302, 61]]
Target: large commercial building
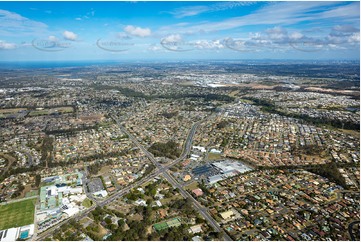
[[13, 234]]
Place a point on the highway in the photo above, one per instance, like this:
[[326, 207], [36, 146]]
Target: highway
[[160, 170], [164, 171]]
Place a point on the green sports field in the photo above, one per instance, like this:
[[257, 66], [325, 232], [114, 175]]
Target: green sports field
[[17, 214]]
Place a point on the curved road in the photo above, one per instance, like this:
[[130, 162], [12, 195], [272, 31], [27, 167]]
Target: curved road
[[350, 226]]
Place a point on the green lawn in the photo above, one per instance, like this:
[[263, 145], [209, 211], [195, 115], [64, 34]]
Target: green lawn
[[31, 193], [87, 203], [39, 112], [17, 214]]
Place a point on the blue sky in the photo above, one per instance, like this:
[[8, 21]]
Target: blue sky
[[50, 31]]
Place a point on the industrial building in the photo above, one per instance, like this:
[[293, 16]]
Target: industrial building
[[220, 170]]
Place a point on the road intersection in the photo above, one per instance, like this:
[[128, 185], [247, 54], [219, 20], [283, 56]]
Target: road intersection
[[160, 170]]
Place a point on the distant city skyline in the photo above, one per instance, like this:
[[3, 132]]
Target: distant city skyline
[[95, 31]]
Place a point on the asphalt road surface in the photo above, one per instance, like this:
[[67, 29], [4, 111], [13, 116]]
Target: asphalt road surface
[[160, 170], [172, 181]]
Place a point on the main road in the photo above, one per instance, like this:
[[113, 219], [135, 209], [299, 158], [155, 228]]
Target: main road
[[160, 170], [164, 171]]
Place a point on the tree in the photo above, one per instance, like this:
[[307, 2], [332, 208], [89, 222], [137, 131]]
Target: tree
[[329, 171], [222, 124], [153, 236], [151, 189], [37, 180], [108, 220], [149, 202], [199, 220], [121, 223], [118, 214], [169, 149]]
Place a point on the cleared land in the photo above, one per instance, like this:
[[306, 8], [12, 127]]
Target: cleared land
[[48, 111], [192, 186], [4, 113], [214, 156], [11, 110], [17, 214]]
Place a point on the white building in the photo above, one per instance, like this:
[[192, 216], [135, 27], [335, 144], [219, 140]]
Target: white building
[[141, 202], [101, 193], [12, 234], [200, 148]]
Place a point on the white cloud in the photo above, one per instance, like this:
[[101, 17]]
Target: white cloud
[[68, 35], [343, 35], [233, 44], [278, 13], [196, 10], [175, 42], [350, 11], [13, 24], [52, 38], [279, 39], [354, 38], [26, 44], [154, 48], [87, 15], [137, 31], [173, 38], [336, 47], [189, 11], [277, 33], [7, 46], [208, 44], [345, 29], [296, 35], [248, 45]]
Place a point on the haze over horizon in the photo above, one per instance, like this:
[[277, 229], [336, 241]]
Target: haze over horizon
[[180, 121], [121, 31]]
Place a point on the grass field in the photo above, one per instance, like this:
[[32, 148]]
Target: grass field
[[192, 186], [38, 113], [17, 214], [87, 203], [31, 193], [168, 200], [5, 112], [11, 110], [64, 109], [214, 156]]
